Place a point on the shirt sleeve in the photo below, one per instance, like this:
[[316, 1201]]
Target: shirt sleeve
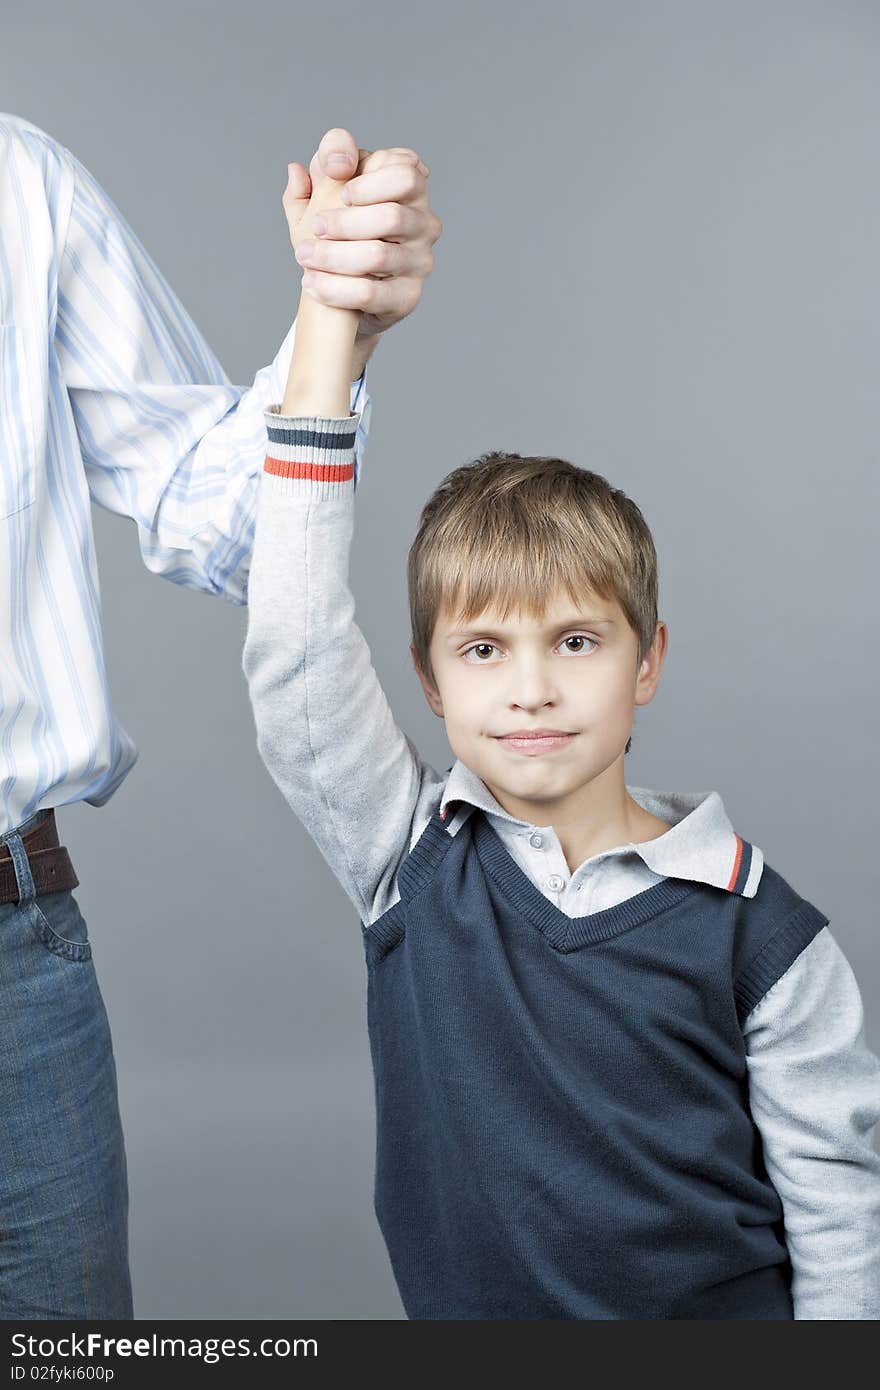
[[324, 726], [166, 439], [815, 1097]]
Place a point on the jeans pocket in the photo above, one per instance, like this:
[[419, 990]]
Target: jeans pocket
[[60, 926]]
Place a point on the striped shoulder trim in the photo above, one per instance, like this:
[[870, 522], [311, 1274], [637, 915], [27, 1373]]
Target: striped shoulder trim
[[745, 869]]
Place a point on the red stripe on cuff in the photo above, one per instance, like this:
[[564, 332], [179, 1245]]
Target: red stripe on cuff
[[317, 472]]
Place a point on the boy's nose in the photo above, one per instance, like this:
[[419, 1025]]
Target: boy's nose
[[532, 687]]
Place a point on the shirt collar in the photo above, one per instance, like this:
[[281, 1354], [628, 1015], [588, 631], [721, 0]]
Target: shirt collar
[[701, 845]]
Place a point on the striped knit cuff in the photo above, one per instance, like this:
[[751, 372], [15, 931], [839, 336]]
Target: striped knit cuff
[[310, 455]]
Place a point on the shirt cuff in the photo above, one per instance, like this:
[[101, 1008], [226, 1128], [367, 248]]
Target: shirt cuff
[[310, 455]]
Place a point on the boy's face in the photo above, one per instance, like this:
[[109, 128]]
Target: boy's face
[[575, 669]]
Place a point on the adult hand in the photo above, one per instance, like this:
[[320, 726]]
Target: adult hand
[[374, 255]]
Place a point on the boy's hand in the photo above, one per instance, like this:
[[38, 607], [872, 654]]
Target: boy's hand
[[375, 254]]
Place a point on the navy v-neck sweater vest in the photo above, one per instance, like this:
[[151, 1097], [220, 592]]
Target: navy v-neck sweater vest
[[562, 1118]]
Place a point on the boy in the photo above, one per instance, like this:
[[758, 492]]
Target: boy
[[620, 1064]]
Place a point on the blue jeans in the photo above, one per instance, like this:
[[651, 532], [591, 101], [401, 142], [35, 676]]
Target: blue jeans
[[63, 1176]]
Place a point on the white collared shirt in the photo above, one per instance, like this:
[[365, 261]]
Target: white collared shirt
[[701, 845]]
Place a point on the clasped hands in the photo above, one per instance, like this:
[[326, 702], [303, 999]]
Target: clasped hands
[[362, 230]]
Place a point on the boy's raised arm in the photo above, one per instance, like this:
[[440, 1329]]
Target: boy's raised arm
[[324, 727]]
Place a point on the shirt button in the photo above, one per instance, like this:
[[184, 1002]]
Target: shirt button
[[555, 883], [536, 840]]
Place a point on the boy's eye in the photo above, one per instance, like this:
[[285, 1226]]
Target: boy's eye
[[482, 647]]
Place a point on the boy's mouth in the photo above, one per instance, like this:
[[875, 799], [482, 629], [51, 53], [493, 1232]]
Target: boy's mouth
[[535, 740]]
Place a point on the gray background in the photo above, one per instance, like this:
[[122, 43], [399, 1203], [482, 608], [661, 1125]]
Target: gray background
[[659, 259]]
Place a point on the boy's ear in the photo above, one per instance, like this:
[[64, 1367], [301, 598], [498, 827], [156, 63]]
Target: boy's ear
[[431, 694], [649, 671]]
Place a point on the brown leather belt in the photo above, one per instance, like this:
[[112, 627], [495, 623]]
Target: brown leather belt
[[50, 864]]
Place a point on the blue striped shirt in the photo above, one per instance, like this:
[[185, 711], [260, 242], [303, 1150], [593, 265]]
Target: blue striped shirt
[[110, 394]]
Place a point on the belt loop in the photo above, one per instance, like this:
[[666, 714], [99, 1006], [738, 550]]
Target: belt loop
[[23, 876]]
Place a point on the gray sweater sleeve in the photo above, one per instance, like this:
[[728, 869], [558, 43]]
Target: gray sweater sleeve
[[814, 1093], [324, 727]]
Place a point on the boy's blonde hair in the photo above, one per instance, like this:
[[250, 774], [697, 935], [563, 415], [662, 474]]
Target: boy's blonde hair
[[508, 530]]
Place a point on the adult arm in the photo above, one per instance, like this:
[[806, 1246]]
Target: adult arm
[[166, 438]]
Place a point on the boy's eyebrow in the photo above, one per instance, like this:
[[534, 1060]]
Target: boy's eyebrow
[[579, 620]]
